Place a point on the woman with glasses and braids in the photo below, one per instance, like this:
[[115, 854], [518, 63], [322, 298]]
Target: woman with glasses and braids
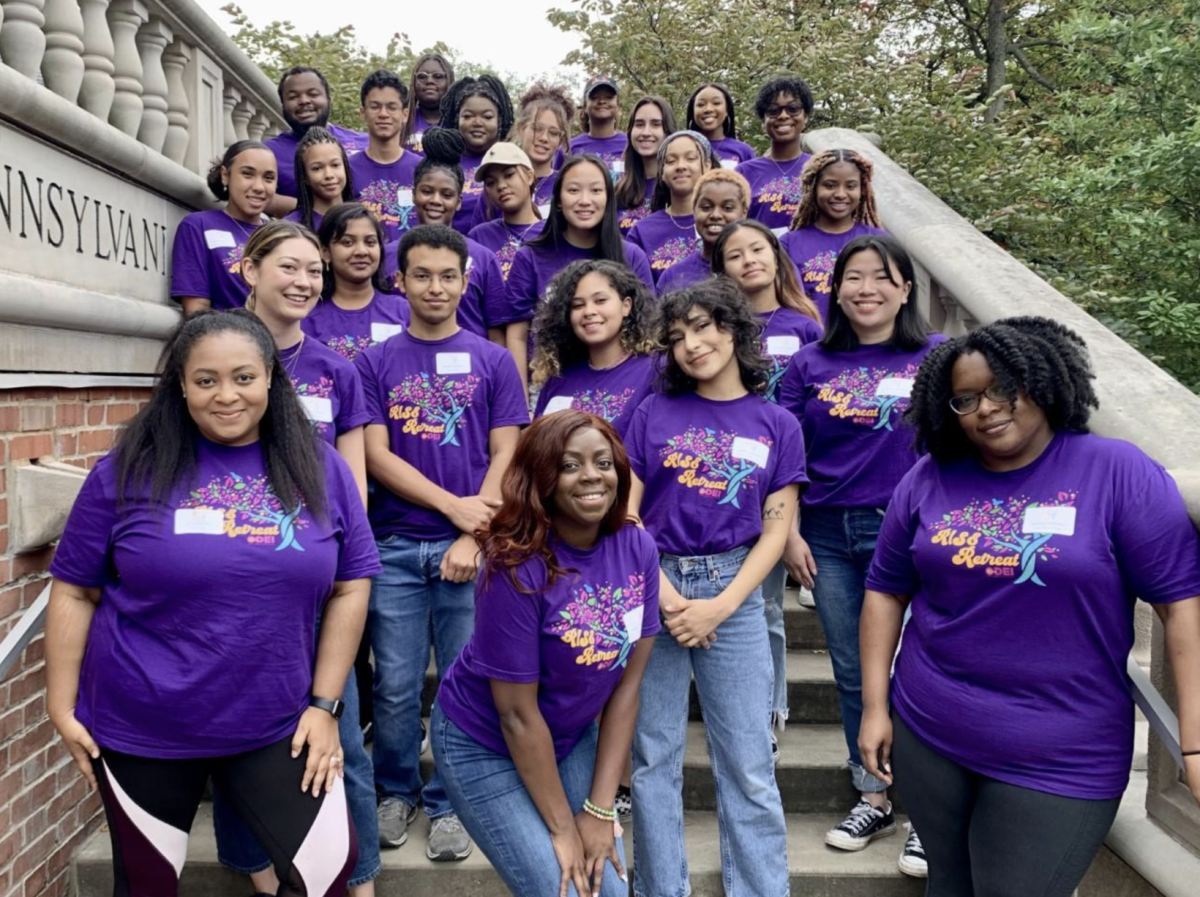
[[784, 106], [431, 79]]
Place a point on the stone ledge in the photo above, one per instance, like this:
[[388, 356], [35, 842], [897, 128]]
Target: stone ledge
[[44, 303], [1163, 862], [41, 499]]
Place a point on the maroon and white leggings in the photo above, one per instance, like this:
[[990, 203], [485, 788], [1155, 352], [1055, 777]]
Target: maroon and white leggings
[[150, 804]]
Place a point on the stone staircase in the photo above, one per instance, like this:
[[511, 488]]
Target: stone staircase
[[815, 787]]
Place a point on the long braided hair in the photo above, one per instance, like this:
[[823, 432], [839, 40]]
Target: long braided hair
[[490, 88], [317, 136], [808, 211]]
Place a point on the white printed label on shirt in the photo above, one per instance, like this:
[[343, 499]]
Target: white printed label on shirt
[[729, 163], [470, 264], [618, 167], [454, 362], [779, 231], [783, 345], [381, 332], [895, 386], [751, 450], [559, 403], [218, 239], [317, 408], [199, 521], [544, 210], [633, 622], [404, 198], [1057, 521]]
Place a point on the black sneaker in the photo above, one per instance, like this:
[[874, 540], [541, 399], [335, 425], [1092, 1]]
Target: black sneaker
[[775, 753], [912, 861], [864, 824], [624, 804]]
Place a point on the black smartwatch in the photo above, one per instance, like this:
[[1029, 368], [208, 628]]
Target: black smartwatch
[[335, 708]]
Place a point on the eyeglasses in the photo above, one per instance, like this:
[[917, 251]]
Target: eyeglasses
[[792, 109], [968, 402], [426, 77], [552, 133]]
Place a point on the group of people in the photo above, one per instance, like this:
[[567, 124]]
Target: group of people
[[731, 383]]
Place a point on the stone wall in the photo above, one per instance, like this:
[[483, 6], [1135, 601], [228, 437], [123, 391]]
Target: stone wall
[[46, 807]]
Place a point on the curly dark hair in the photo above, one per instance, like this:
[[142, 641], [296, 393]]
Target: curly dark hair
[[558, 347], [1040, 358], [797, 87], [720, 298]]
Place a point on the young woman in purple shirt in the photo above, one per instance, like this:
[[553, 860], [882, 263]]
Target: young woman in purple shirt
[[510, 187], [717, 471], [566, 611], [218, 530], [543, 131], [710, 111], [599, 122], [668, 234], [649, 123], [431, 79], [482, 111], [1020, 544], [206, 256], [837, 205], [322, 176], [722, 197], [784, 106]]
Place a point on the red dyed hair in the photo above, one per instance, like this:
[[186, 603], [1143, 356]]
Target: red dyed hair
[[524, 522]]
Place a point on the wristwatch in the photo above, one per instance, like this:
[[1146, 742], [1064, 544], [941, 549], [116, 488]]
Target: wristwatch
[[335, 707]]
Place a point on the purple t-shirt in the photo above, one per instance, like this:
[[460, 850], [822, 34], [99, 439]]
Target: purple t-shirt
[[691, 269], [328, 386], [504, 240], [1013, 663], [785, 330], [348, 331], [850, 405], [297, 218], [666, 239], [206, 259], [612, 394], [534, 267], [610, 149], [708, 467], [774, 190], [815, 253], [440, 401], [627, 218], [469, 212], [543, 193], [284, 147], [387, 190], [573, 638], [732, 152], [484, 301], [204, 640]]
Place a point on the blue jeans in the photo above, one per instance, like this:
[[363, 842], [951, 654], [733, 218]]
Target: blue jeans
[[238, 849], [734, 681], [412, 607], [842, 541], [495, 808], [772, 588]]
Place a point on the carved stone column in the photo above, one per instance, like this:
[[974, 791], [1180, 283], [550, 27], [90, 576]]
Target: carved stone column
[[258, 126], [125, 17], [175, 58], [229, 99], [96, 93], [62, 66], [22, 42], [242, 113], [152, 40]]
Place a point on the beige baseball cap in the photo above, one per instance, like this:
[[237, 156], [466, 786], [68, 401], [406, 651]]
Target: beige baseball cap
[[502, 154]]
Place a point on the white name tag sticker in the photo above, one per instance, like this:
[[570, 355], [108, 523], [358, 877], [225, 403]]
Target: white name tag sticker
[[729, 163], [199, 521], [633, 622], [219, 239], [779, 231], [618, 167], [895, 386], [404, 198], [317, 408], [470, 264], [1057, 521], [751, 450], [783, 345], [454, 362], [559, 403], [381, 332], [544, 210]]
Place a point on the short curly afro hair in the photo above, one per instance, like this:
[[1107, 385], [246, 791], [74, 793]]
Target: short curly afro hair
[[1041, 358]]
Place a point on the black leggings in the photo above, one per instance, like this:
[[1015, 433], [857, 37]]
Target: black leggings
[[150, 805], [986, 838]]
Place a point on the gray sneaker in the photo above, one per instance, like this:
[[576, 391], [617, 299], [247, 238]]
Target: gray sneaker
[[448, 840], [395, 816]]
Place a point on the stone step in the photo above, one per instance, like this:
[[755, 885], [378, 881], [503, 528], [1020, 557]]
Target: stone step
[[815, 870], [802, 624], [812, 695]]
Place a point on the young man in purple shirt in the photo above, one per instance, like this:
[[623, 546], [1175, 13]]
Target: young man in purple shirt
[[601, 136], [446, 408], [382, 175], [304, 95]]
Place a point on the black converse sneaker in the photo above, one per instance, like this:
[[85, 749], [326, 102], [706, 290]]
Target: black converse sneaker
[[912, 861], [864, 824], [624, 804]]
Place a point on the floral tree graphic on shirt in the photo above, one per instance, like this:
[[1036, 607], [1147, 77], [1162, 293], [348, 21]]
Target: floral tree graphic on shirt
[[705, 453], [857, 388], [782, 192], [382, 199], [598, 620], [670, 252], [443, 400], [818, 271], [602, 403], [321, 388], [987, 526], [779, 366], [349, 346], [233, 260], [253, 499]]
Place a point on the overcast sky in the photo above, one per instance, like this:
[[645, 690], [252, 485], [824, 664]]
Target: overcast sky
[[519, 41]]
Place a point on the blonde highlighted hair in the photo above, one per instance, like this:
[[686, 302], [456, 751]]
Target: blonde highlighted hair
[[808, 211], [266, 240]]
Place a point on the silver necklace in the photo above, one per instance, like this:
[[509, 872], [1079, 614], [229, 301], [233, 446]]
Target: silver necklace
[[608, 367], [289, 364]]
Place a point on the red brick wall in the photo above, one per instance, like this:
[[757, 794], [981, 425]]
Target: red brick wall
[[46, 807]]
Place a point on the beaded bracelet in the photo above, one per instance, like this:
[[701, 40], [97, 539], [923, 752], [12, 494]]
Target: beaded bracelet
[[592, 810]]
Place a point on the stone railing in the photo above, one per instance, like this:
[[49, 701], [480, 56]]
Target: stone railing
[[967, 280]]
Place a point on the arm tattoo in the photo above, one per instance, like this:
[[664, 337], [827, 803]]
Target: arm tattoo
[[775, 513]]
